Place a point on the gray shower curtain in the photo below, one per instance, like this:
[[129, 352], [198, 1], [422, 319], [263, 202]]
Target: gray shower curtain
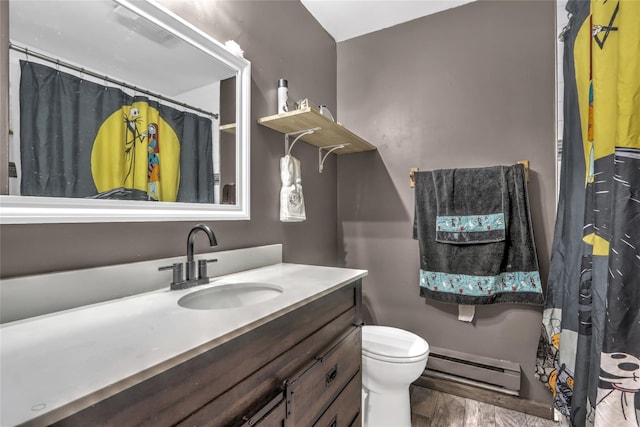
[[82, 139], [590, 344]]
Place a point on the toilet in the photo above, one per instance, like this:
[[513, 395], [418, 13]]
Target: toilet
[[392, 359]]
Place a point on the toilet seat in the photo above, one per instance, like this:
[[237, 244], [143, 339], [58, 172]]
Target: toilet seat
[[393, 345]]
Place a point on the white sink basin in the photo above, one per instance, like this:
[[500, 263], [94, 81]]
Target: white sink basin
[[231, 295]]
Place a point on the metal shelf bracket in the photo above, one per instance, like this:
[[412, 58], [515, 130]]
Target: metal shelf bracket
[[330, 149], [300, 134]]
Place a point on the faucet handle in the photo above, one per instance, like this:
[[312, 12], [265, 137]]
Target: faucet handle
[[177, 271], [202, 267]]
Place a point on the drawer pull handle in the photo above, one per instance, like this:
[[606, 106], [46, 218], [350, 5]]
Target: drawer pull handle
[[331, 375]]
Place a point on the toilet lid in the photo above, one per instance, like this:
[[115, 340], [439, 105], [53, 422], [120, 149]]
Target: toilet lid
[[387, 343]]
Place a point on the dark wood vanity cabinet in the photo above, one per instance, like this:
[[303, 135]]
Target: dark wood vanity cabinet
[[308, 393], [324, 393], [300, 369]]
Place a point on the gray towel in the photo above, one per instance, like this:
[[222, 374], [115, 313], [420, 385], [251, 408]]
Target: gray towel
[[470, 205], [479, 273]]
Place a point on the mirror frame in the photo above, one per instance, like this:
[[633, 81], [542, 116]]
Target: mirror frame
[[32, 210]]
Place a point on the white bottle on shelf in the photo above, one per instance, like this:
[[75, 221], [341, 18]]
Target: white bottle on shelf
[[283, 96]]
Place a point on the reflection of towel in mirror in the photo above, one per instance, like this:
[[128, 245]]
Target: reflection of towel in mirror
[[291, 199]]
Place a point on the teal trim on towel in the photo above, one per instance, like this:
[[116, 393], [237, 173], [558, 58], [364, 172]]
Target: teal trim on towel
[[462, 284], [470, 223]]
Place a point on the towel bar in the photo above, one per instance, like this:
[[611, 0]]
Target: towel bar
[[412, 178], [525, 163], [412, 171]]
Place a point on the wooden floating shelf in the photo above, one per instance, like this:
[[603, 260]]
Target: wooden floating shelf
[[330, 133], [228, 128]]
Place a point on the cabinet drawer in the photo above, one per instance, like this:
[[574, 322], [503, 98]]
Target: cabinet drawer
[[313, 391], [345, 409]]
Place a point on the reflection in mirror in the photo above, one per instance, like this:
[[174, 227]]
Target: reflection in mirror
[[123, 105]]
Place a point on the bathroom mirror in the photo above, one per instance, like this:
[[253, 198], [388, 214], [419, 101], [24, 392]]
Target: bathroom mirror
[[122, 111]]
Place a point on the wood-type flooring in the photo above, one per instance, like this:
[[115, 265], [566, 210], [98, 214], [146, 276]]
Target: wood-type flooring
[[431, 408]]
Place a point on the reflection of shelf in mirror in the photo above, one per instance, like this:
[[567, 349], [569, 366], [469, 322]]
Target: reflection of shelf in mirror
[[228, 128], [330, 133]]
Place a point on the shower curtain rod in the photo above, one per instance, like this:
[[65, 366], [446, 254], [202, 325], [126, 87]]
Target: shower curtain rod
[[106, 78]]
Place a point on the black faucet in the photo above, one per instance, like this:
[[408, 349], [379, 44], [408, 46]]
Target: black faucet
[[192, 279], [191, 264]]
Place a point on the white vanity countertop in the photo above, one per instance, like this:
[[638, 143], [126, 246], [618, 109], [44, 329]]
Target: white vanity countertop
[[54, 365]]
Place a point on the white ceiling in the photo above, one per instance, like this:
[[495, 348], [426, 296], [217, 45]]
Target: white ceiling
[[345, 19], [111, 38]]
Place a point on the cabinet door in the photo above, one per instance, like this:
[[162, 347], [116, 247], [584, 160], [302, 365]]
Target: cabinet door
[[275, 418], [272, 414], [358, 421], [345, 409], [242, 399], [314, 390]]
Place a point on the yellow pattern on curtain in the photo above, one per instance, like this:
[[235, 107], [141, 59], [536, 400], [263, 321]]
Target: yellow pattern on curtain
[[120, 156], [615, 65]]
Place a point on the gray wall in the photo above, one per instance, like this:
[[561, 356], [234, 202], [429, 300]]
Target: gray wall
[[468, 87], [281, 39]]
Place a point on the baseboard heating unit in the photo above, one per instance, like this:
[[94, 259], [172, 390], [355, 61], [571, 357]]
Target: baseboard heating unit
[[492, 374]]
